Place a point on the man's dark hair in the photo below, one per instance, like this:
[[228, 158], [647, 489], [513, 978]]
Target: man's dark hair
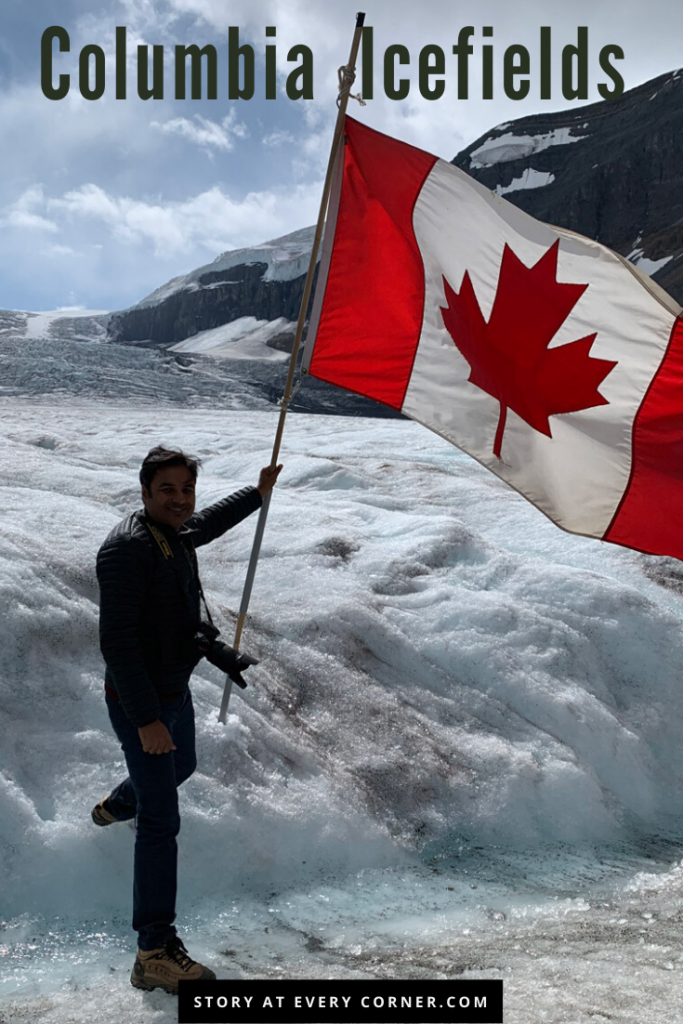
[[162, 458]]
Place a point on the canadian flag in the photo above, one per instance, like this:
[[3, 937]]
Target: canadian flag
[[544, 355]]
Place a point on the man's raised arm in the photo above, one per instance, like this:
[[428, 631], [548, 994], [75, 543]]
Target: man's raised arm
[[213, 521]]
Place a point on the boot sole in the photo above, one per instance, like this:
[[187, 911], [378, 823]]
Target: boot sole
[[147, 983], [100, 816], [100, 820], [146, 987]]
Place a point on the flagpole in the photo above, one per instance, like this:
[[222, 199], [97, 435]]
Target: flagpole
[[346, 78]]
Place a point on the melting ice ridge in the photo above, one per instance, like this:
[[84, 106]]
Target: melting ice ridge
[[459, 755]]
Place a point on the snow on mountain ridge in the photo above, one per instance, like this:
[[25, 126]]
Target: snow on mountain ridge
[[286, 259]]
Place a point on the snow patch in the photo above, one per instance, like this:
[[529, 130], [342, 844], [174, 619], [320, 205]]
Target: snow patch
[[244, 338], [652, 266], [530, 179], [508, 147], [39, 324], [648, 266]]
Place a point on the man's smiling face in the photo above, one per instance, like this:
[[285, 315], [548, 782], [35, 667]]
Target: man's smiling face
[[171, 496]]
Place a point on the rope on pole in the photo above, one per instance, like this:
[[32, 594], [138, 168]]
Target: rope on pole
[[347, 75]]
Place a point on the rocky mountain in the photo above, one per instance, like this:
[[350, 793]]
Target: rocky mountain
[[611, 170], [263, 283], [239, 313]]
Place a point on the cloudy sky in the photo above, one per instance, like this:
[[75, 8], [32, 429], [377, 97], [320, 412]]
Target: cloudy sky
[[103, 200]]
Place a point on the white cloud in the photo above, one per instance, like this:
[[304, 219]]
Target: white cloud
[[88, 200], [29, 221], [204, 132], [30, 198], [145, 16], [211, 221], [22, 213], [278, 138], [58, 251], [250, 15], [110, 144]]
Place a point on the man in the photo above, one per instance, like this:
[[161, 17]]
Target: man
[[150, 610]]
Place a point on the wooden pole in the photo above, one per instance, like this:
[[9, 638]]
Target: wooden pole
[[342, 101]]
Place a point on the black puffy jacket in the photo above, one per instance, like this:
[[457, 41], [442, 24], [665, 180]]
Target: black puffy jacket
[[149, 602]]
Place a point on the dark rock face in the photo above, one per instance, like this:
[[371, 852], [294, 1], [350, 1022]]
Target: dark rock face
[[620, 183], [219, 297], [222, 296]]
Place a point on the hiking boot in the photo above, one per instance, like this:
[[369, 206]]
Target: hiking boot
[[101, 815], [165, 967]]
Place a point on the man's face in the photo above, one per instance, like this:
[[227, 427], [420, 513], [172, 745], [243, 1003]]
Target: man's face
[[170, 498]]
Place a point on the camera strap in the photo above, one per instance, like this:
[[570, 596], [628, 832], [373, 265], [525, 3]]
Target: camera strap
[[164, 546], [166, 551], [201, 591]]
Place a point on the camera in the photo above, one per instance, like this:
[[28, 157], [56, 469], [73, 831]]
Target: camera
[[227, 659]]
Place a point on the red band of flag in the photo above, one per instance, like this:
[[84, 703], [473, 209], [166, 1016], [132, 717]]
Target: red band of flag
[[648, 517], [374, 228]]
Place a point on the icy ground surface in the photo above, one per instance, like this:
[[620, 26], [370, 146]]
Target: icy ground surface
[[460, 754], [65, 354]]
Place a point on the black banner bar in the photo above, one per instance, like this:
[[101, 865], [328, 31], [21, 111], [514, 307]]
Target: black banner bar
[[340, 1001]]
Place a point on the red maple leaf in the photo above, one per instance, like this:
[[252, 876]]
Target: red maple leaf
[[509, 356]]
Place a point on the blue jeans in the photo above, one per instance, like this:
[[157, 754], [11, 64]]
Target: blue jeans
[[150, 795]]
